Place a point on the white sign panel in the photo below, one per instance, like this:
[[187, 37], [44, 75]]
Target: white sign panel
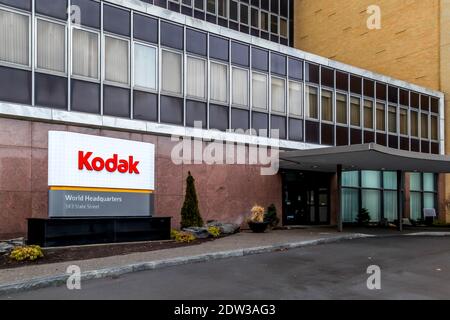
[[79, 160]]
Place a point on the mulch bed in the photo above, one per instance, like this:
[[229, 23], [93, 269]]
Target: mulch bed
[[96, 251]]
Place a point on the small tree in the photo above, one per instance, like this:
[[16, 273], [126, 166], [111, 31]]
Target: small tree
[[190, 214], [271, 216], [363, 217]]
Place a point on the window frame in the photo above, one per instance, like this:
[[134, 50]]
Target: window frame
[[190, 97], [405, 109], [360, 99], [307, 110], [333, 111], [275, 112], [66, 47], [99, 54], [347, 103], [377, 105], [157, 60], [31, 43], [372, 101], [247, 106], [266, 75], [397, 118], [228, 84], [434, 115], [302, 94], [182, 73], [109, 82]]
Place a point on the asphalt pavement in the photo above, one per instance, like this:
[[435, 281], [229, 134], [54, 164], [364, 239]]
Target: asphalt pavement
[[410, 268]]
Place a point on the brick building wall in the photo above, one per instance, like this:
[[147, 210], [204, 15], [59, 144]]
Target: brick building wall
[[413, 43]]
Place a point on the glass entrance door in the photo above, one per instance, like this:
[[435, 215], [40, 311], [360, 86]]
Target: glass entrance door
[[306, 198]]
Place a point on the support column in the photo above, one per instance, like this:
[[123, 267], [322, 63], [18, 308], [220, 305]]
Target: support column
[[400, 206], [339, 198]]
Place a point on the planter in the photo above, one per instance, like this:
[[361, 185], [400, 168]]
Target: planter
[[258, 227]]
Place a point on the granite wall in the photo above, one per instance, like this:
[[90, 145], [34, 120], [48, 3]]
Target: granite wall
[[226, 192]]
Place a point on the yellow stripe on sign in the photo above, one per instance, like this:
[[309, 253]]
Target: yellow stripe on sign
[[99, 190]]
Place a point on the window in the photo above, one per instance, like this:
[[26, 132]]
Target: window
[[211, 6], [255, 18], [274, 24], [312, 107], [414, 124], [392, 119], [423, 193], [171, 72], [240, 87], [244, 14], [51, 46], [14, 38], [424, 126], [368, 114], [278, 95], [327, 105], [404, 121], [264, 21], [341, 108], [223, 8], [381, 125], [145, 67], [429, 188], [355, 112], [259, 93], [196, 78], [295, 98], [219, 82], [85, 54], [283, 28], [199, 4], [116, 60], [434, 128], [233, 10]]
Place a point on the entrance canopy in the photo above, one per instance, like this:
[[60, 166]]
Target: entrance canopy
[[363, 157]]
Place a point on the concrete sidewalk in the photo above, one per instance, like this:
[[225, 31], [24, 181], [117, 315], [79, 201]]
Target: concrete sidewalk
[[240, 244]]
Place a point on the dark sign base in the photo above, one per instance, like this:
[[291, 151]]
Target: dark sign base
[[80, 231]]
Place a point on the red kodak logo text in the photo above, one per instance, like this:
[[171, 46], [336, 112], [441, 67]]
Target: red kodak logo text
[[112, 164]]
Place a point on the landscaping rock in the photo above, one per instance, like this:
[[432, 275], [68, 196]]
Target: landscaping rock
[[5, 248], [199, 233], [225, 228], [17, 242]]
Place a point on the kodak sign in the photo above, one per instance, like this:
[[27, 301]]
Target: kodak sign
[[87, 162]]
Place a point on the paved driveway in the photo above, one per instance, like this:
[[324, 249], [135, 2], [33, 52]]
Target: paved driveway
[[411, 268]]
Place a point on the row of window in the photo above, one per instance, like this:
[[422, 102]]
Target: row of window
[[267, 19], [376, 191], [236, 74]]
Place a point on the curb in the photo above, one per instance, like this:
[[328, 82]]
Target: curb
[[51, 281]]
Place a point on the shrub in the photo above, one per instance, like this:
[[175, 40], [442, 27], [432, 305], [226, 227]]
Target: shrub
[[257, 214], [30, 253], [184, 237], [173, 234], [190, 214], [363, 217], [271, 216], [214, 231]]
